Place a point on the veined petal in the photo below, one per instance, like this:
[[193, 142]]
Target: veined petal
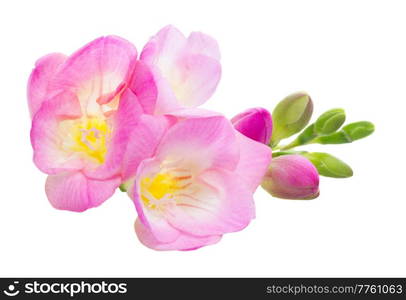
[[144, 86], [166, 100], [45, 69], [207, 141], [158, 226], [254, 161], [220, 203], [75, 192], [45, 137], [98, 69], [123, 122], [193, 113], [183, 242], [142, 144], [200, 43], [186, 71], [197, 80], [163, 49]]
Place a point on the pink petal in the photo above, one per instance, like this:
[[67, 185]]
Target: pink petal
[[223, 204], [210, 141], [188, 113], [183, 242], [166, 100], [45, 69], [186, 71], [45, 138], [199, 78], [100, 68], [144, 86], [73, 191], [158, 226], [162, 231], [254, 161], [200, 43], [164, 48], [124, 122], [143, 142]]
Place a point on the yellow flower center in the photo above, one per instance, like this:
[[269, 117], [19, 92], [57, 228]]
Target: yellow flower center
[[163, 185], [165, 188], [87, 136]]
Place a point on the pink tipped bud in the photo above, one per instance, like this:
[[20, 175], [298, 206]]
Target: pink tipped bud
[[291, 177], [255, 123]]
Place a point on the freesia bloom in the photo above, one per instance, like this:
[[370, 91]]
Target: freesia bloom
[[292, 177], [255, 123], [83, 114], [198, 183], [185, 70]]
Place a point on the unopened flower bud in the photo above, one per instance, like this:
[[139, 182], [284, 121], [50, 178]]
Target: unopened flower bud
[[348, 134], [330, 121], [328, 165], [255, 123], [290, 116], [291, 177]]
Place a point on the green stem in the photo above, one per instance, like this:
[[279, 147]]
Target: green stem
[[123, 188], [297, 143], [293, 144], [280, 153]]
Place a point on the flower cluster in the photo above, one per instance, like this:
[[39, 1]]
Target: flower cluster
[[106, 117]]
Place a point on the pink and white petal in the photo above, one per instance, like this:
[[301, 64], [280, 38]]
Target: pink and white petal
[[200, 43], [218, 204], [144, 86], [188, 113], [142, 144], [254, 161], [153, 220], [73, 191], [200, 77], [186, 71], [166, 99], [164, 48], [183, 242], [101, 190], [106, 98], [206, 142], [123, 121], [160, 229], [100, 68], [45, 69], [46, 138]]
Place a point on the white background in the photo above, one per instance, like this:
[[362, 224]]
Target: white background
[[349, 54]]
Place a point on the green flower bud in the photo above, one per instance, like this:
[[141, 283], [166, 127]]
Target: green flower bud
[[348, 134], [290, 116], [359, 130], [328, 165], [330, 121]]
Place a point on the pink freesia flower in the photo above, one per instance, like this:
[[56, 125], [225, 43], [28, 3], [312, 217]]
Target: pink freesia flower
[[198, 181], [185, 70], [83, 114], [255, 123], [292, 177]]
